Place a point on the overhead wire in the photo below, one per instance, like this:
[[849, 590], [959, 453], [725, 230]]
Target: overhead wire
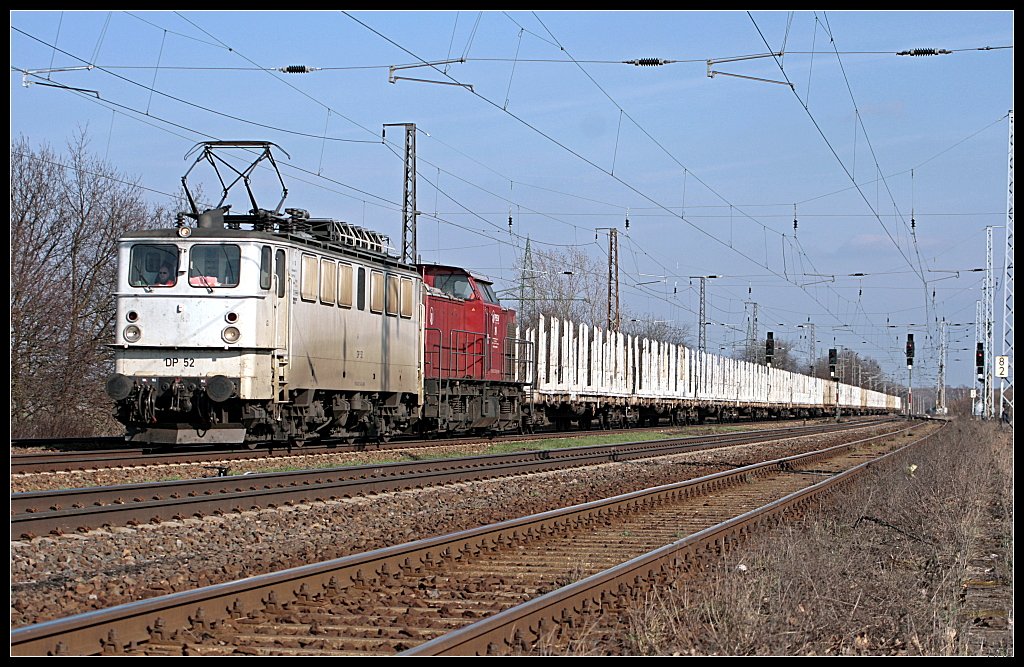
[[730, 245], [836, 155], [330, 110], [282, 80], [287, 165], [784, 236], [189, 102], [817, 126], [566, 148], [220, 44]]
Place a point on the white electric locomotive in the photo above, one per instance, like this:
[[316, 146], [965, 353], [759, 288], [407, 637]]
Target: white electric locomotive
[[264, 327]]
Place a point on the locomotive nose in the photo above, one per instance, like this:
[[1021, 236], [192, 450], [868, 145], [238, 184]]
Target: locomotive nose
[[119, 387]]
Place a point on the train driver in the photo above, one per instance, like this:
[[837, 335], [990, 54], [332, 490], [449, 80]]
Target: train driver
[[165, 277]]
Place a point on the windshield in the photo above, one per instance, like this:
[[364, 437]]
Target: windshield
[[213, 265], [153, 265], [454, 284]]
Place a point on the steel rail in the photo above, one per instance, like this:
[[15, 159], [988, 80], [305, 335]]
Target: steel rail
[[517, 628], [68, 510], [113, 629], [130, 457]]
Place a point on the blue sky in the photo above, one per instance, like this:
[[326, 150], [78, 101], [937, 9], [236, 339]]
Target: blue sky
[[544, 121]]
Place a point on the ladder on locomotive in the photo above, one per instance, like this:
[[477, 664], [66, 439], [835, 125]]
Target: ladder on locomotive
[[280, 381]]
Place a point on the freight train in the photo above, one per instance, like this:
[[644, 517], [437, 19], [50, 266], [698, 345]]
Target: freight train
[[276, 326]]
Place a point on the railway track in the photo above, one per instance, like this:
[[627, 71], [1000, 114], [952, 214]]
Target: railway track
[[68, 510], [42, 462], [493, 589], [71, 458]]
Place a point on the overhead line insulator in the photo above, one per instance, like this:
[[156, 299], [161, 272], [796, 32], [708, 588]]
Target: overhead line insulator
[[298, 69], [924, 52], [648, 62]]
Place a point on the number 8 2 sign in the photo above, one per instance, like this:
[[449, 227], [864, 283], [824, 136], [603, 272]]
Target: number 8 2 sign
[[1002, 366]]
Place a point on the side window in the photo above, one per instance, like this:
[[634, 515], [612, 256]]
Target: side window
[[309, 281], [391, 302], [265, 270], [281, 273], [376, 291], [361, 289], [328, 282], [345, 285], [488, 292], [408, 303]]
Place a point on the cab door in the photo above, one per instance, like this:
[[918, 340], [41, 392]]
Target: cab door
[[281, 297]]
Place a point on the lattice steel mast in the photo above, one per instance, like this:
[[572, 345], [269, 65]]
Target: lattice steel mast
[[1006, 384], [409, 211], [614, 319]]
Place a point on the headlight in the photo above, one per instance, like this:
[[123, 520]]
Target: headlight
[[230, 334], [132, 333]]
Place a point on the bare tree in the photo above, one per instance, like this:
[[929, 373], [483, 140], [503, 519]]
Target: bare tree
[[565, 284], [659, 330], [571, 285], [67, 212], [784, 357], [856, 369]]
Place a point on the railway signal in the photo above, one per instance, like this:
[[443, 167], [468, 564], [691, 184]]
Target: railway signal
[[979, 360], [833, 359], [910, 350], [769, 348]]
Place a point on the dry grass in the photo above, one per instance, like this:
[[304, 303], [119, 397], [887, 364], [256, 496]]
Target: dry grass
[[879, 571]]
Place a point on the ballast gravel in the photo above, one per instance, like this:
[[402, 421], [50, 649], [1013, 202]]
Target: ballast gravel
[[54, 577]]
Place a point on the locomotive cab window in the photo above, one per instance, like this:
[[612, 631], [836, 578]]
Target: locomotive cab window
[[153, 265], [214, 265], [454, 284]]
